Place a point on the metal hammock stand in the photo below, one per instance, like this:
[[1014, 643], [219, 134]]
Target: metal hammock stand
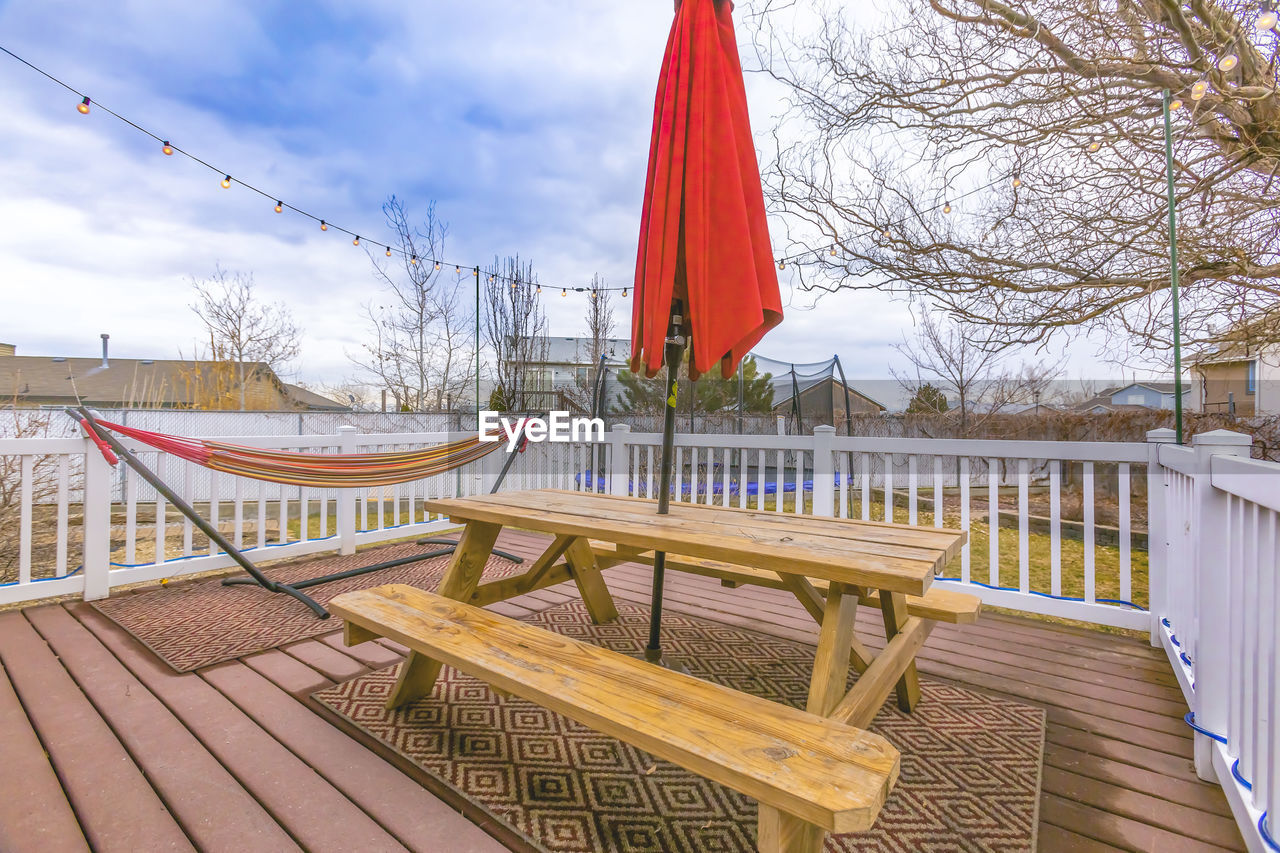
[[108, 442]]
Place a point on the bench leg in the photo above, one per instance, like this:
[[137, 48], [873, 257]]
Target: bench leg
[[894, 607], [780, 832], [418, 673], [590, 581]]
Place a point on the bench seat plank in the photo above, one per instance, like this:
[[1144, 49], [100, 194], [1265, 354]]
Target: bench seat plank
[[937, 604], [821, 771]]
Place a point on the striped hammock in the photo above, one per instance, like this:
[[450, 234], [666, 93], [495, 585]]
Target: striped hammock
[[326, 471]]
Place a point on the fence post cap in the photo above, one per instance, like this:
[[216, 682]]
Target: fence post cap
[[824, 429], [1162, 435], [346, 428], [621, 428], [1220, 437]]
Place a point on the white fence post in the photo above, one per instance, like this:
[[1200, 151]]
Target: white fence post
[[1211, 658], [97, 524], [824, 472], [347, 497], [618, 457], [1157, 536]]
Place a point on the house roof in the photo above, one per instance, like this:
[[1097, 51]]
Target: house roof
[[1242, 341], [1159, 387], [140, 382], [309, 399], [577, 351]]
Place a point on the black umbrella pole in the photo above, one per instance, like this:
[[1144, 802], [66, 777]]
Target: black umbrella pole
[[674, 355]]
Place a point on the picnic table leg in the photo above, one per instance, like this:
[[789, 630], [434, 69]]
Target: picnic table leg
[[590, 581], [779, 832], [802, 588], [418, 673], [894, 607], [831, 662]]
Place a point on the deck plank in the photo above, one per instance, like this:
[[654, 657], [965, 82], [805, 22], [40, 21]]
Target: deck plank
[[197, 790], [399, 804], [317, 815], [116, 806], [34, 813]]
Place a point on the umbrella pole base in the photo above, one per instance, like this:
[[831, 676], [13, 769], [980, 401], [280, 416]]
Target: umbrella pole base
[[655, 656]]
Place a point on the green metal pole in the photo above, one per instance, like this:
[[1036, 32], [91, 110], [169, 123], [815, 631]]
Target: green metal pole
[[1173, 265], [477, 275]]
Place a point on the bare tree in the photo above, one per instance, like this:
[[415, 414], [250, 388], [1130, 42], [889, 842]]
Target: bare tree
[[595, 343], [1007, 159], [946, 354], [419, 349], [515, 329], [243, 330]]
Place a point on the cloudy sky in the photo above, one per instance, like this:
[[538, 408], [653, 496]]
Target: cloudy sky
[[526, 123]]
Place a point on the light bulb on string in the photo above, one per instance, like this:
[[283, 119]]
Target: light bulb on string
[[1267, 19], [946, 207], [458, 269], [1228, 62], [833, 251], [513, 284], [437, 266], [279, 207], [624, 293], [885, 234], [539, 288], [413, 259], [324, 226], [83, 107], [782, 265], [1017, 181], [1175, 104], [595, 295], [1094, 144], [388, 251], [226, 182], [356, 241], [1198, 90], [564, 292], [166, 148]]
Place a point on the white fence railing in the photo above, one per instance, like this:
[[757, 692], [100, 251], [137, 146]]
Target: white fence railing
[[1216, 605], [1055, 528]]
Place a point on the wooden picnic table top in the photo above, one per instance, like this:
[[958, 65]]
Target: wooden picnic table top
[[881, 555]]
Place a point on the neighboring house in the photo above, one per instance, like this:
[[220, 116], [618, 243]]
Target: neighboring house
[[1132, 397], [1240, 373], [567, 367], [823, 402], [148, 383]]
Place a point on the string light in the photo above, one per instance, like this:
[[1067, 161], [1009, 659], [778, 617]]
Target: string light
[[833, 251], [83, 107], [594, 295], [1267, 19], [356, 241], [624, 293], [1228, 62], [437, 266], [1017, 181], [782, 265], [946, 208], [1094, 144], [414, 260], [1176, 103], [885, 234], [513, 284], [564, 292], [1198, 90]]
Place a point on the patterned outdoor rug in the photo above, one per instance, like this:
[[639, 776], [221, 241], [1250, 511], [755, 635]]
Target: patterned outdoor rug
[[970, 776], [196, 624]]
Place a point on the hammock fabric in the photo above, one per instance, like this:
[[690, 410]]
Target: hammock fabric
[[326, 471]]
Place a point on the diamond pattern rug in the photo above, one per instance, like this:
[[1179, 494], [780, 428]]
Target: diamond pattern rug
[[970, 776], [195, 624]]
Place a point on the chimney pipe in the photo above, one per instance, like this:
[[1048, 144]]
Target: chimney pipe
[[105, 338]]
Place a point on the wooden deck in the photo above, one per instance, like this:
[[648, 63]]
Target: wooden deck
[[106, 748]]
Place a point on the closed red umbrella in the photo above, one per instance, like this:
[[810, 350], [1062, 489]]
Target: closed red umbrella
[[704, 270]]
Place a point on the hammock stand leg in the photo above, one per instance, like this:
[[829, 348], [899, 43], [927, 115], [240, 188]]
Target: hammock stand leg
[[256, 576]]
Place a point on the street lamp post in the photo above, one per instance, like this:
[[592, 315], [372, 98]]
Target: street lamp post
[[1173, 267]]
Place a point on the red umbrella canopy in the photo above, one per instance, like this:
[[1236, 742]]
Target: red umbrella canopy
[[704, 238]]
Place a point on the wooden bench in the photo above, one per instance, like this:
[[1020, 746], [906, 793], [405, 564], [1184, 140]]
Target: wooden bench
[[810, 774], [936, 605]]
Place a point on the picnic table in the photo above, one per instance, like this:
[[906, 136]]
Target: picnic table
[[830, 564]]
